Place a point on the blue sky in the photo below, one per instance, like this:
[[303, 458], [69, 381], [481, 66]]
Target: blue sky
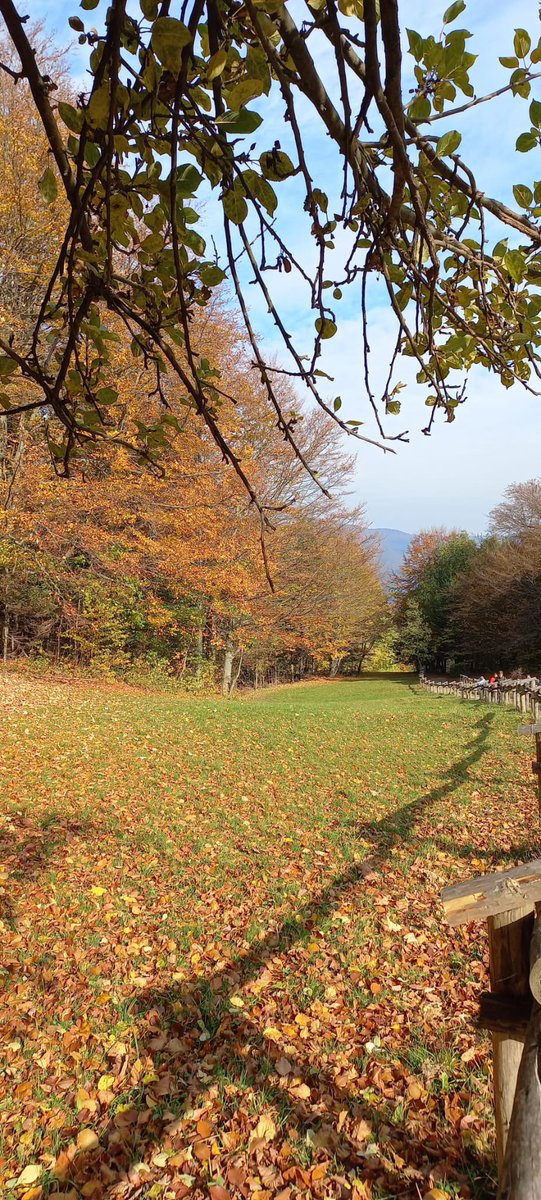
[[456, 476]]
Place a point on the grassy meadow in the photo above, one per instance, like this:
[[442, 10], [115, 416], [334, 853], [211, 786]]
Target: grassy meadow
[[225, 971]]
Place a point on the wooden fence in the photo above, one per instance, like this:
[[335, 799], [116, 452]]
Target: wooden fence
[[511, 903], [522, 694]]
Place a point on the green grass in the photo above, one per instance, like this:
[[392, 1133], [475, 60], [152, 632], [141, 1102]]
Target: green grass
[[203, 873]]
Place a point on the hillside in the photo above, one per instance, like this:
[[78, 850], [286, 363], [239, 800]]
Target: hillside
[[394, 544]]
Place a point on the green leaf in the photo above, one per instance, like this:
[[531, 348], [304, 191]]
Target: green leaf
[[448, 143], [188, 180], [92, 153], [276, 165], [76, 24], [393, 406], [245, 121], [106, 395], [509, 62], [527, 141], [8, 366], [416, 44], [48, 186], [419, 109], [535, 113], [88, 5], [211, 275], [325, 327], [261, 190], [243, 92], [235, 206], [149, 9], [453, 12], [521, 43], [72, 117], [337, 404], [216, 64], [515, 263], [523, 195], [169, 37]]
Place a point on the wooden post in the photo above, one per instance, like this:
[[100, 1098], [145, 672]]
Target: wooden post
[[509, 959], [506, 899], [536, 766], [520, 1178]]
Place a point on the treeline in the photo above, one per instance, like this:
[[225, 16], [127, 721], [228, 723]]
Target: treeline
[[475, 604], [134, 566]]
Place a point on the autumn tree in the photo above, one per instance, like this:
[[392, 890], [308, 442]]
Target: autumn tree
[[174, 111]]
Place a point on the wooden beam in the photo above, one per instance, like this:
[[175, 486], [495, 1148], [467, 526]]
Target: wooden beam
[[531, 729], [509, 935], [504, 1013], [486, 895], [521, 1174]]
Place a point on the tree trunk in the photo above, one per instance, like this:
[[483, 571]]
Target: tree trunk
[[229, 656]]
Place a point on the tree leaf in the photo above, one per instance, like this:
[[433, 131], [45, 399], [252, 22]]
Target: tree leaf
[[325, 327], [453, 12], [72, 117], [526, 141], [276, 165], [243, 92], [8, 366], [97, 112], [235, 206], [216, 64], [523, 195], [448, 143], [521, 43], [245, 121], [48, 186], [169, 37]]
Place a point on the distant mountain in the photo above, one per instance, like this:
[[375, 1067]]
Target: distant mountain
[[394, 544]]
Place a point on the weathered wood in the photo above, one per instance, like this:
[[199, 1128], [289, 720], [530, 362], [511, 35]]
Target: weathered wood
[[535, 959], [504, 1013], [485, 895], [538, 764], [509, 941], [529, 729], [521, 1173]]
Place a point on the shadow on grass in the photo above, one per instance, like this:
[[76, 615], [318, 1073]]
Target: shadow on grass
[[28, 846], [203, 1052]]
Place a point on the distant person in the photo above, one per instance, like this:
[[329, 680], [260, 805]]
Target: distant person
[[481, 682], [493, 680]]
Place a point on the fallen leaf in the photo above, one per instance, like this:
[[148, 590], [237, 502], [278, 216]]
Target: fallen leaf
[[87, 1139], [29, 1175]]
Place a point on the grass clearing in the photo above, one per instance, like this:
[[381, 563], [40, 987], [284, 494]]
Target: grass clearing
[[223, 952]]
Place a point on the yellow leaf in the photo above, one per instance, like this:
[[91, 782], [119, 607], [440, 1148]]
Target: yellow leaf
[[272, 1034], [265, 1128], [98, 891], [105, 1082], [87, 1140], [30, 1175], [236, 1001]]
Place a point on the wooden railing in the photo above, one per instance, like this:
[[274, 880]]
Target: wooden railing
[[522, 694], [510, 901]]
